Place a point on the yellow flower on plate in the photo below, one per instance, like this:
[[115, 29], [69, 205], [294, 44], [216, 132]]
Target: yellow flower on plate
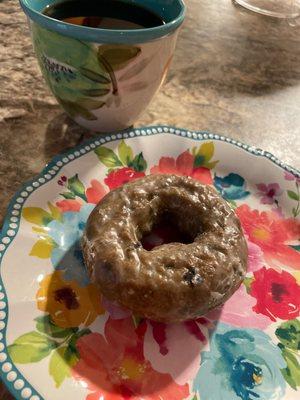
[[68, 304]]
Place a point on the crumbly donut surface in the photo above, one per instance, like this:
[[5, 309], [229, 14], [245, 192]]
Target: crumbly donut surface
[[172, 282]]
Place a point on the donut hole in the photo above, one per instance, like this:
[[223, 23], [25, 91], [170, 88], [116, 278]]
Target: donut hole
[[168, 228]]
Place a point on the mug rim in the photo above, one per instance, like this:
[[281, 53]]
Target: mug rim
[[98, 35]]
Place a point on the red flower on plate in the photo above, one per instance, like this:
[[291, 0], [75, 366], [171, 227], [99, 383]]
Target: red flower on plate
[[120, 176], [183, 165], [114, 367], [272, 234], [69, 205], [95, 192], [277, 294]]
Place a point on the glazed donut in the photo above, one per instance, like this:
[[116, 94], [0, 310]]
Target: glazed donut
[[175, 281]]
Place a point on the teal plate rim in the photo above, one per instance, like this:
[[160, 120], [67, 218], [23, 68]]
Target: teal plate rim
[[10, 375]]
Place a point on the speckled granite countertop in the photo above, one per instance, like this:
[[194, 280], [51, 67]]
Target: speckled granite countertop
[[234, 73]]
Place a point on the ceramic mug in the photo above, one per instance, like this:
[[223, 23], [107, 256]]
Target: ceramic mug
[[104, 78]]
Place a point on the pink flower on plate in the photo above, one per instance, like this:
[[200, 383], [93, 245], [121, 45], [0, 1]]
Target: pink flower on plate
[[291, 177], [255, 256], [113, 366], [269, 192], [114, 310], [164, 344], [238, 311]]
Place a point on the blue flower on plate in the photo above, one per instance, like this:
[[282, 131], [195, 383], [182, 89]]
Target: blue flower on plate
[[67, 255], [241, 364], [231, 187]]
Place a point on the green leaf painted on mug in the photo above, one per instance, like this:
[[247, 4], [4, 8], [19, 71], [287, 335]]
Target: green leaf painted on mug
[[91, 104], [94, 76], [117, 55], [135, 69], [95, 92], [76, 110]]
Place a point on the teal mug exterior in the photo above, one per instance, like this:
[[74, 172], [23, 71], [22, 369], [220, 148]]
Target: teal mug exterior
[[104, 78]]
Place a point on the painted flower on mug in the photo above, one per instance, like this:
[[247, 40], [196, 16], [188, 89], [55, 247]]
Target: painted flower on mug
[[269, 193], [231, 187], [242, 364], [272, 234], [277, 294], [113, 367], [68, 304]]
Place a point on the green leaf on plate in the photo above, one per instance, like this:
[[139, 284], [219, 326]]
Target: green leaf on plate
[[37, 216], [107, 157], [45, 325], [199, 160], [248, 282], [94, 76], [76, 186], [296, 247], [125, 153], [60, 365], [136, 320], [117, 56], [72, 343], [289, 334], [210, 165], [42, 248], [232, 203], [95, 92], [68, 195], [293, 195], [31, 347], [204, 155], [292, 372], [139, 164], [55, 211]]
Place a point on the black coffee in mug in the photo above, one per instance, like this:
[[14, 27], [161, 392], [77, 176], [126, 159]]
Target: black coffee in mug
[[104, 14]]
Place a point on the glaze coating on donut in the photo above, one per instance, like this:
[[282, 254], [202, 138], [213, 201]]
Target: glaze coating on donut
[[172, 282]]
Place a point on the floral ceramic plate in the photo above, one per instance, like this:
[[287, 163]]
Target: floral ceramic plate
[[60, 341]]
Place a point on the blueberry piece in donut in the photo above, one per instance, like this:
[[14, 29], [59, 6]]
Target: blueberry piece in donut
[[176, 280]]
